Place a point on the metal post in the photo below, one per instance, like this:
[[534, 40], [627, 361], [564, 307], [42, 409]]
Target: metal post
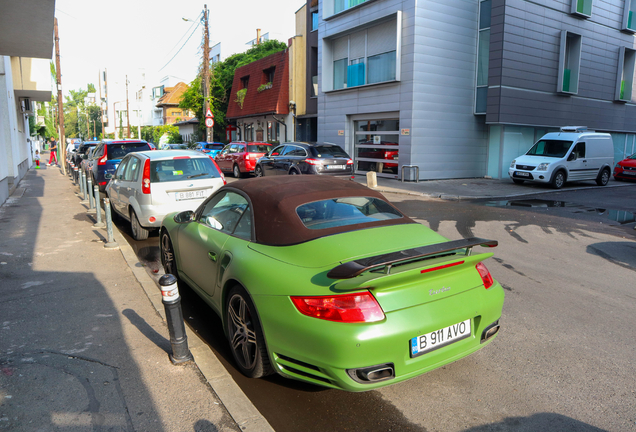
[[174, 316], [81, 184], [90, 196], [75, 182], [98, 209], [84, 195], [111, 243]]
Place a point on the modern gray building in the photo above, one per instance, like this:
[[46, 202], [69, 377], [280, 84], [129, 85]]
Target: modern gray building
[[460, 88]]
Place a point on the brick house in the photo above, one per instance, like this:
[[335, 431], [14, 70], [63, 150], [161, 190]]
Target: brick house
[[259, 102], [169, 104]]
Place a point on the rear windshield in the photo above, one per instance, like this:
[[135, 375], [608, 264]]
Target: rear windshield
[[258, 148], [214, 146], [182, 169], [119, 150], [550, 148], [345, 211], [330, 151]]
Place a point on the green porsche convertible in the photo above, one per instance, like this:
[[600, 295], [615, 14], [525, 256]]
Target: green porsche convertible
[[323, 280]]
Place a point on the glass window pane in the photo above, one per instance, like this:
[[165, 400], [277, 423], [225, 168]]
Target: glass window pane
[[225, 213], [340, 74], [382, 67], [339, 5], [314, 86], [345, 211], [377, 125], [483, 57], [484, 14], [481, 100], [355, 73], [314, 20]]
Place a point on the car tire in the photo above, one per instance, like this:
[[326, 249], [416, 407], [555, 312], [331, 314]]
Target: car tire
[[603, 177], [293, 172], [138, 232], [168, 261], [245, 335], [558, 180], [258, 171], [236, 171], [517, 181]]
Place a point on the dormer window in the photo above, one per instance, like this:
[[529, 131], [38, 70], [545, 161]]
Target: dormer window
[[244, 82], [268, 75]]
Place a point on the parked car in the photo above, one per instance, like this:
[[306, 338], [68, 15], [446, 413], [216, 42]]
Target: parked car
[[82, 151], [148, 185], [240, 157], [325, 281], [305, 158], [572, 154], [626, 169], [209, 148], [384, 153], [108, 155], [174, 147]]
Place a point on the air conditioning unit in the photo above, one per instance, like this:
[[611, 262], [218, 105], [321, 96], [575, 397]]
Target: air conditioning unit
[[25, 106]]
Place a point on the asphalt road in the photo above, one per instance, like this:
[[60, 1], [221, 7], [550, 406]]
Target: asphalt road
[[564, 359]]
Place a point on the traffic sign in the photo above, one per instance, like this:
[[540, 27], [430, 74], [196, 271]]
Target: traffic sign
[[208, 114], [209, 122]]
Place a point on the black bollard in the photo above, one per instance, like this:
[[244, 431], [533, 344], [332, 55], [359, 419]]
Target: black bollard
[[174, 316]]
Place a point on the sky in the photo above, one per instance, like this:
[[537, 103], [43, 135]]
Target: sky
[[135, 36]]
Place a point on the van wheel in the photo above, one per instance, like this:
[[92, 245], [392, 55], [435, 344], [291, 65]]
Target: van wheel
[[603, 178], [558, 180], [517, 181]]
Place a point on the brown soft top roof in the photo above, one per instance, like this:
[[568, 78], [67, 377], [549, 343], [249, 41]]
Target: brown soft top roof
[[275, 199]]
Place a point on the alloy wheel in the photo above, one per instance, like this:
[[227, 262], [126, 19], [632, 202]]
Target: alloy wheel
[[167, 255], [241, 332]]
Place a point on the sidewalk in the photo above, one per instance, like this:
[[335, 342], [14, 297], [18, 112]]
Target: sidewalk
[[475, 188], [81, 345]]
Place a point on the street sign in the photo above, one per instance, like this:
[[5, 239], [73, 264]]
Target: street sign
[[208, 114], [209, 122]]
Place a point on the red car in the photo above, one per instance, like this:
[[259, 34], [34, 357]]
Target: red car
[[626, 169], [240, 157]]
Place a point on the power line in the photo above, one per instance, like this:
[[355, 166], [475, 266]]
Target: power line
[[197, 20], [184, 44]]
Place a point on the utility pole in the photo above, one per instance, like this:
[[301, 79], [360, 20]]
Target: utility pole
[[127, 110], [61, 152], [206, 72]]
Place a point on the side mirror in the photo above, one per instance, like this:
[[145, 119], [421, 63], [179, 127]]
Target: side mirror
[[572, 156], [184, 216]]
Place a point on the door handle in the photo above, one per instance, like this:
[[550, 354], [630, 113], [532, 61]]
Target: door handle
[[212, 256], [584, 160]]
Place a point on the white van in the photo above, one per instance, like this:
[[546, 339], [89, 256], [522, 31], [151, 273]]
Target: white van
[[573, 154]]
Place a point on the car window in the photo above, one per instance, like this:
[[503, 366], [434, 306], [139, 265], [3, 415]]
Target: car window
[[224, 212], [258, 148], [330, 151], [214, 146], [182, 169], [121, 168], [241, 148], [132, 169], [345, 211], [119, 150], [244, 227], [579, 150], [278, 151], [233, 148], [99, 152], [295, 151]]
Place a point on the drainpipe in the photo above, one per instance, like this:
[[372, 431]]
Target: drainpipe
[[283, 123]]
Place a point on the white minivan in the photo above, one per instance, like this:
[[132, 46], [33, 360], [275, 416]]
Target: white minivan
[[573, 154]]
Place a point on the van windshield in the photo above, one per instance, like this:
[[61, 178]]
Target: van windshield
[[550, 148]]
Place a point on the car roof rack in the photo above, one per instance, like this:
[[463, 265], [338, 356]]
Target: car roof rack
[[574, 129]]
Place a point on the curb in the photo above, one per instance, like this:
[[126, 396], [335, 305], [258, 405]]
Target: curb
[[240, 408]]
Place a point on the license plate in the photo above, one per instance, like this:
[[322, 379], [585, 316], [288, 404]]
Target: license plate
[[522, 174], [439, 338], [180, 196], [625, 172], [335, 166]]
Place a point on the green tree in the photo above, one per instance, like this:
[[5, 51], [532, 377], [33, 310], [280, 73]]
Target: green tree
[[91, 88], [221, 77]]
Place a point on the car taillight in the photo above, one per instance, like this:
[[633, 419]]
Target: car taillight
[[145, 180], [349, 162], [311, 161], [346, 308], [485, 275], [219, 170], [102, 160]]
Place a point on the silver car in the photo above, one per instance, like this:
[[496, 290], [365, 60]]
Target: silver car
[[150, 184]]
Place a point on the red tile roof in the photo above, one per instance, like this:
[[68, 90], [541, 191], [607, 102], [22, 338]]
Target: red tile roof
[[172, 95], [274, 100]]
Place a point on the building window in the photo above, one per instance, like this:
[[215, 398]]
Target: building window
[[244, 82], [625, 78], [377, 146], [583, 8], [157, 92], [314, 86], [314, 20], [569, 63], [342, 5], [629, 18], [367, 56], [483, 53], [268, 75]]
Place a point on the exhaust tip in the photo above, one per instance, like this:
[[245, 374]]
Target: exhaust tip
[[490, 331], [372, 374]]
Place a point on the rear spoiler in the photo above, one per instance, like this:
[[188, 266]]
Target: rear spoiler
[[352, 269]]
